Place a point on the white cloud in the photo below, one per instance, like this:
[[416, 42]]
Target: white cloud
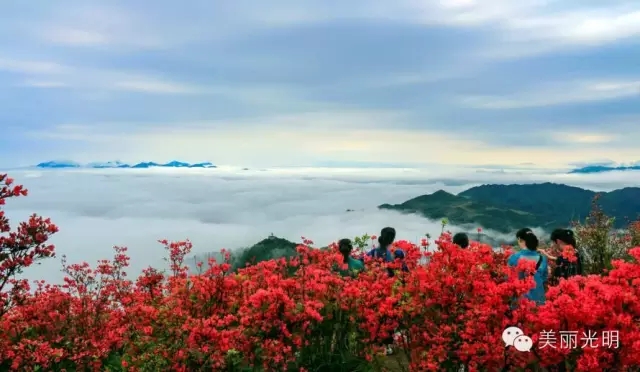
[[31, 67], [70, 36], [587, 26], [231, 208], [458, 69], [124, 25], [558, 94], [518, 27], [587, 138], [94, 25], [68, 132], [114, 80], [100, 82], [48, 74], [43, 84], [282, 125], [468, 12], [529, 27], [151, 86]]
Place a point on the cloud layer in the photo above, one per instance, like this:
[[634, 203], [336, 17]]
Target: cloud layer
[[307, 82], [228, 208]]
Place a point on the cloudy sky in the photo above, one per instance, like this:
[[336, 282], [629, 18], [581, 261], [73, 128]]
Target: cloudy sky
[[306, 83]]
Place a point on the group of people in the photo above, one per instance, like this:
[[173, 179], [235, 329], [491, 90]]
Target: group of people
[[382, 251], [564, 268], [529, 250]]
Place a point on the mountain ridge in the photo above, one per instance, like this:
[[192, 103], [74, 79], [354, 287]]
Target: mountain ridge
[[505, 208], [590, 169], [117, 164]]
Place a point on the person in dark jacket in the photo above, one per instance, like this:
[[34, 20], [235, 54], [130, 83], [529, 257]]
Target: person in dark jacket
[[561, 238]]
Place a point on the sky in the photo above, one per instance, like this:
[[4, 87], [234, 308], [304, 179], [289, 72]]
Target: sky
[[310, 83], [216, 209]]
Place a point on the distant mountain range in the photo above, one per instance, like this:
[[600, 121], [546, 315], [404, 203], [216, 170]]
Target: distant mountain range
[[506, 208], [604, 168], [180, 164], [117, 164]]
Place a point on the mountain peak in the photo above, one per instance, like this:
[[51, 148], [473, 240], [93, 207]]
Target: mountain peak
[[108, 164], [442, 193], [177, 164], [439, 195]]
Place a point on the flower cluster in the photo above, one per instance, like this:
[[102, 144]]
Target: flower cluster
[[299, 314]]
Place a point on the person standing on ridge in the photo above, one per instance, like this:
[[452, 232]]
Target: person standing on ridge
[[354, 266], [461, 239], [528, 241]]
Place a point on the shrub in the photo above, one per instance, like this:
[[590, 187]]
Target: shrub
[[297, 314], [600, 243]]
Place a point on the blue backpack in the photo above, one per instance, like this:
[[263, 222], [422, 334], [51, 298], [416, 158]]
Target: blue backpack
[[376, 253]]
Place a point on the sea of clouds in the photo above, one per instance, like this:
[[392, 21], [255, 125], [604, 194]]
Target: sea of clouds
[[231, 208]]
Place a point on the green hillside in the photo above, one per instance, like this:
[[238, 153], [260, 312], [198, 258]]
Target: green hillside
[[460, 210], [267, 249], [558, 204], [505, 208], [270, 248]]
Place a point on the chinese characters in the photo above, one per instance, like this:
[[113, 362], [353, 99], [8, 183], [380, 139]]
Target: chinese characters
[[573, 340]]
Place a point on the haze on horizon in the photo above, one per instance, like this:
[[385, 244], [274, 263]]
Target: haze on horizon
[[309, 82]]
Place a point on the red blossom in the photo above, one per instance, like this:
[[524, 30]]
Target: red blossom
[[569, 253], [299, 313]]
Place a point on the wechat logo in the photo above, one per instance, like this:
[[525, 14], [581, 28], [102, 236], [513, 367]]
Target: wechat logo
[[513, 336]]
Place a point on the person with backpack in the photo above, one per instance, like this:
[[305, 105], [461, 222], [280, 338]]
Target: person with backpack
[[561, 238], [528, 243], [383, 251], [399, 255]]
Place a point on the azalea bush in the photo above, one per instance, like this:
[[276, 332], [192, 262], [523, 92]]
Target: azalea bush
[[299, 315]]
